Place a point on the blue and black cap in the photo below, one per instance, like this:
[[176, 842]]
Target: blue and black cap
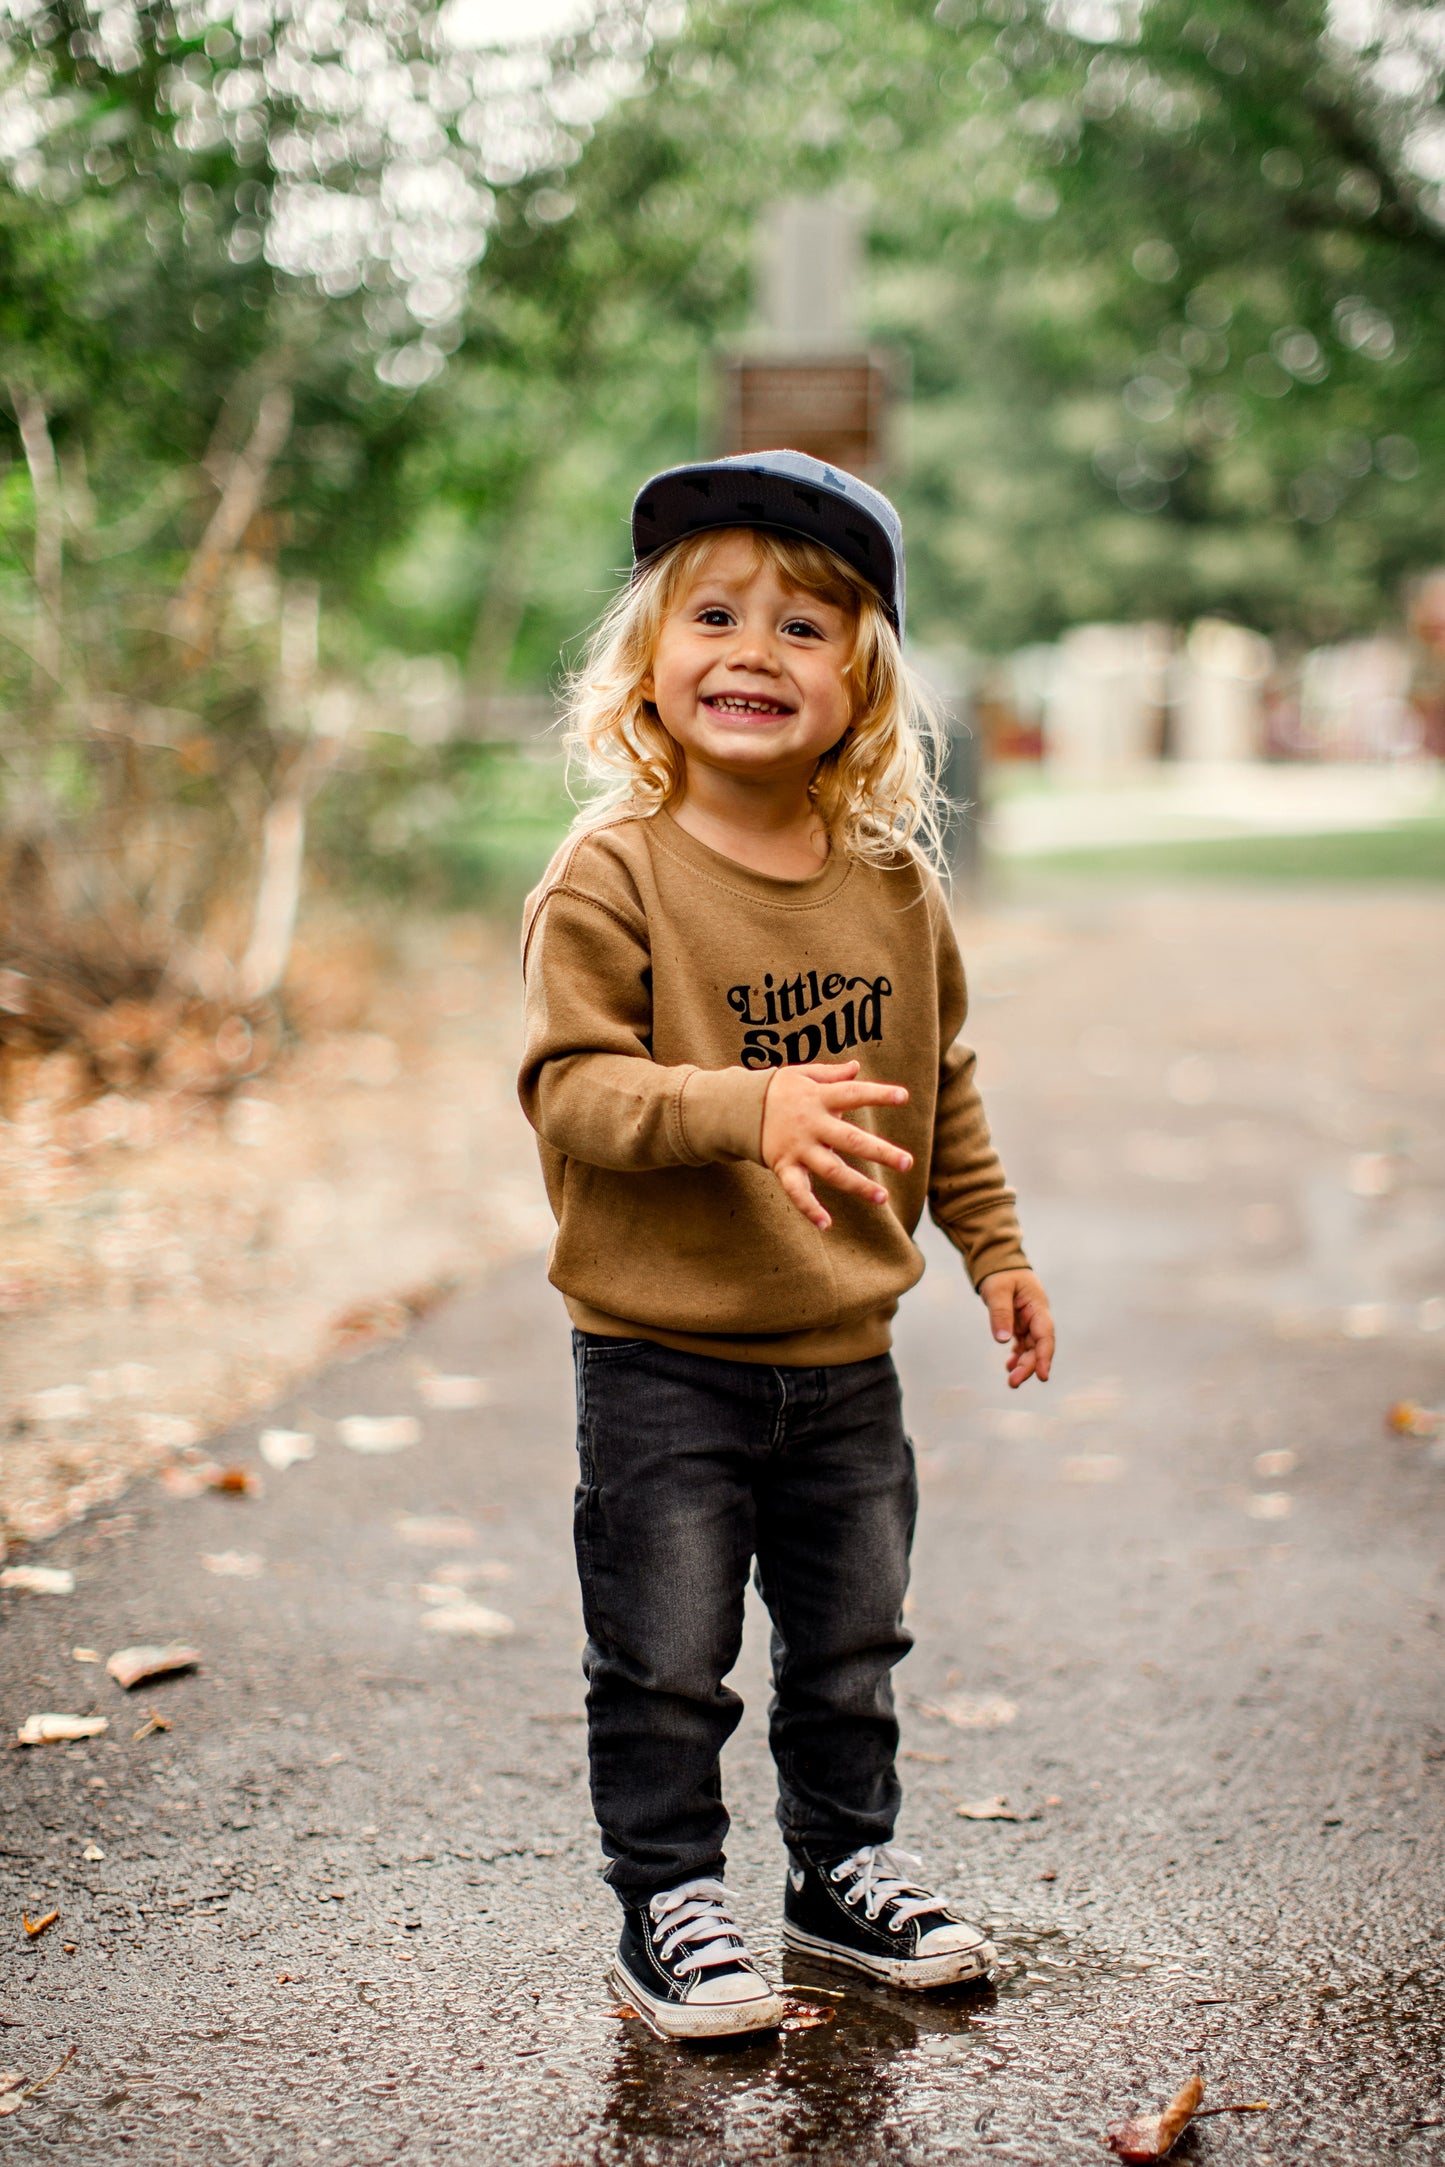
[[784, 490]]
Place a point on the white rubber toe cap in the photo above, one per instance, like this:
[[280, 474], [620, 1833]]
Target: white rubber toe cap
[[735, 1986], [954, 1939]]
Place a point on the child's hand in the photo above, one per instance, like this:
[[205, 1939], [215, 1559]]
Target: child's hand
[[803, 1135], [1018, 1309]]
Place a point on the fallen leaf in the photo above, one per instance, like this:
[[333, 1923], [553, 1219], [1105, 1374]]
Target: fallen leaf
[[472, 1619], [283, 1448], [453, 1393], [802, 2016], [34, 1928], [39, 1579], [188, 1478], [623, 2009], [85, 1655], [234, 1564], [1411, 1420], [93, 1852], [286, 1978], [51, 1730], [131, 1667], [15, 2098], [151, 1725], [9, 2078], [378, 1433], [989, 1714], [438, 1531], [987, 1809], [237, 1482], [1153, 2136]]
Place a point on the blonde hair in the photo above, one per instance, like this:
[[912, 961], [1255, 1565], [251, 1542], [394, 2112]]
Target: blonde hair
[[876, 790]]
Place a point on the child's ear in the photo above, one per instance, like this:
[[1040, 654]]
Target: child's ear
[[648, 690]]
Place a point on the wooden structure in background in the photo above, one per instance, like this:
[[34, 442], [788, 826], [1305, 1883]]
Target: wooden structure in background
[[836, 406]]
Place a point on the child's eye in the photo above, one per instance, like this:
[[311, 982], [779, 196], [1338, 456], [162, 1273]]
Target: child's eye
[[801, 625], [714, 616]]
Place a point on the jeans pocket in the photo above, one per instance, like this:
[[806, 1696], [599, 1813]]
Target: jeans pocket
[[595, 1348]]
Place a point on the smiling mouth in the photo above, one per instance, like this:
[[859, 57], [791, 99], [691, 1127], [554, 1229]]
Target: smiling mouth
[[739, 703]]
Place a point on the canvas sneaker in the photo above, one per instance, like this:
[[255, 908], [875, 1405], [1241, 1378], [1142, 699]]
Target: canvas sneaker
[[684, 1966], [868, 1913]]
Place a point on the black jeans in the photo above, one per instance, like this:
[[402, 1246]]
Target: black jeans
[[692, 1468]]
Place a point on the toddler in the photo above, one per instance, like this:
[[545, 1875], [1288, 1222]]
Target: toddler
[[743, 995]]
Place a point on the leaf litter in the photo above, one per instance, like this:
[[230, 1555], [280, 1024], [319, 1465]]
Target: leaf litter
[[378, 1433], [38, 1579], [131, 1667], [34, 1928], [13, 2097], [284, 1448], [54, 1730], [1148, 2137]]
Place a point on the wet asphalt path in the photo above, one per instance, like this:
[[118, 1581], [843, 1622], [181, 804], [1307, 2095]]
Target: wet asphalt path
[[348, 1907]]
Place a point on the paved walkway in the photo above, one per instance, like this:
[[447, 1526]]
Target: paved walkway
[[1184, 1610]]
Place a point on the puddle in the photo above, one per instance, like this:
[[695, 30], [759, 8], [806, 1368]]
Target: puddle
[[846, 2088]]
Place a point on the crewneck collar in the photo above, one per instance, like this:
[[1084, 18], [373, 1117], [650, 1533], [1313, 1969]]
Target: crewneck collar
[[726, 872]]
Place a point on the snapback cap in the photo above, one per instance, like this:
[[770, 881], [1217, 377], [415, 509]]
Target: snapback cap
[[787, 491]]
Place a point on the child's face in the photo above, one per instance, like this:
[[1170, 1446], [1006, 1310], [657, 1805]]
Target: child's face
[[748, 675]]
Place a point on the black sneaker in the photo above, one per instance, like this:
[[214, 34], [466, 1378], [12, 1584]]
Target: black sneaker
[[865, 1912], [686, 1970]]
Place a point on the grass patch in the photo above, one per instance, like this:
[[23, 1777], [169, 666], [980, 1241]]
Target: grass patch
[[1413, 851]]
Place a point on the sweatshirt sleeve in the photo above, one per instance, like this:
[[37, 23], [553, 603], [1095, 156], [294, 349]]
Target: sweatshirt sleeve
[[588, 1084], [968, 1196]]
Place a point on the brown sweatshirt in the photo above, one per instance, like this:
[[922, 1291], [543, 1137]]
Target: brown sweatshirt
[[665, 985]]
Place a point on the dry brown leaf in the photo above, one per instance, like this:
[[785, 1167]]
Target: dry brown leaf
[[39, 1579], [803, 2016], [987, 1809], [378, 1433], [131, 1667], [1410, 1419], [623, 2009], [237, 1481], [1147, 2137], [34, 1928], [52, 1730], [14, 2098], [9, 2078]]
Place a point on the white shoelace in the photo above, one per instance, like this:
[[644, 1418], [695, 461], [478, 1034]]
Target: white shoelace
[[881, 1880], [698, 1913]]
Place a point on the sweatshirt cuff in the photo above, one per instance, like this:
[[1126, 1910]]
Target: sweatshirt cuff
[[996, 1256], [720, 1114]]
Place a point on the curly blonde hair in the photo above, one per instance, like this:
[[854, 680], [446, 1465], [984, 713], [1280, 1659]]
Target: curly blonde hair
[[876, 790]]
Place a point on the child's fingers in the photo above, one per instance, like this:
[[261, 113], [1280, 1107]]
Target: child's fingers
[[827, 1166], [999, 1297], [839, 1097], [862, 1144], [799, 1191]]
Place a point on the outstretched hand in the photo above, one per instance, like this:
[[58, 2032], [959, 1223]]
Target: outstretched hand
[[804, 1135], [1018, 1310]]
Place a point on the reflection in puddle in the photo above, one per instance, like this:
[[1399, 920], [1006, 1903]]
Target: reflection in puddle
[[839, 2090]]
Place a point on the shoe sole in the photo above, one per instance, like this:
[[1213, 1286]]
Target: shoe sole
[[709, 2020], [912, 1972]]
